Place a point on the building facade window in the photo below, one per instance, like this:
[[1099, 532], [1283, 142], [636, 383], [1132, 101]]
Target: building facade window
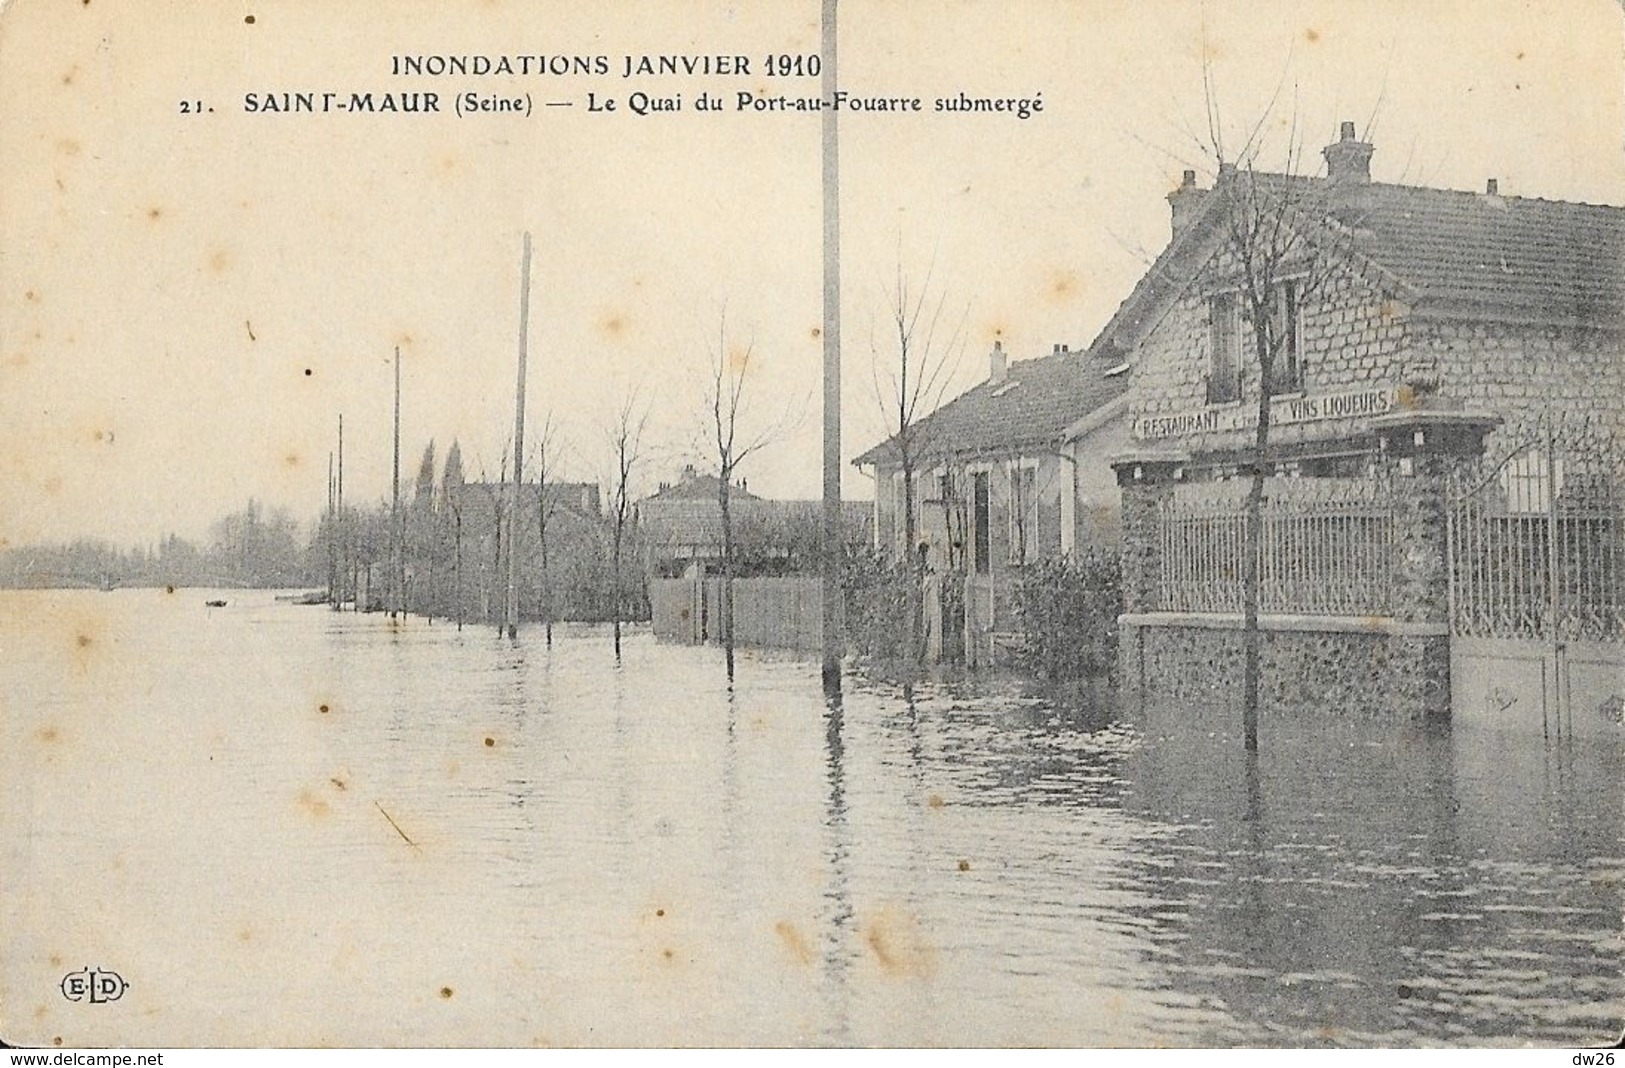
[[1224, 349], [899, 518], [1286, 370], [1023, 511], [981, 535]]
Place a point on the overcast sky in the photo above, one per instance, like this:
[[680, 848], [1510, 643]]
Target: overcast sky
[[187, 302]]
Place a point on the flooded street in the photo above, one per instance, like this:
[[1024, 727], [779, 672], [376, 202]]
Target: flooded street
[[286, 826]]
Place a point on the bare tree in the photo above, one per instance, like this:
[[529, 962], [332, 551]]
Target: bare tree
[[544, 461], [1284, 238], [451, 495], [910, 374], [625, 438], [732, 445]]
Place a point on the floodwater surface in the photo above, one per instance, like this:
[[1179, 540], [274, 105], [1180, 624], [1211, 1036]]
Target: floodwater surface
[[285, 826]]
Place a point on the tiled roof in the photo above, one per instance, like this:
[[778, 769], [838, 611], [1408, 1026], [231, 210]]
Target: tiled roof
[[1035, 403], [1448, 252], [704, 487], [1474, 253]]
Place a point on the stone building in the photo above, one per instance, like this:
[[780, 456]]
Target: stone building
[[1434, 351], [1010, 472]]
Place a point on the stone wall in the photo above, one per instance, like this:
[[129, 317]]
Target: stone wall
[[1521, 372], [1308, 668], [1354, 335]]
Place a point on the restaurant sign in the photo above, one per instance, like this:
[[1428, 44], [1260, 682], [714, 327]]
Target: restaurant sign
[[1284, 411]]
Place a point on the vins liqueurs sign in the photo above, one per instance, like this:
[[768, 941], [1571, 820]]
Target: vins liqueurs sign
[[1283, 411]]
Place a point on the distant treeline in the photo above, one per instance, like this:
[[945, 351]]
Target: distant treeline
[[250, 548], [454, 538]]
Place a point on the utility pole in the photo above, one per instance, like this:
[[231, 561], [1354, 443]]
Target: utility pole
[[344, 527], [397, 568], [511, 612], [332, 546], [831, 549]]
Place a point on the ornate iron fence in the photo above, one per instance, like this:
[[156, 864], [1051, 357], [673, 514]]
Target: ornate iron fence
[[1537, 542], [1326, 547]]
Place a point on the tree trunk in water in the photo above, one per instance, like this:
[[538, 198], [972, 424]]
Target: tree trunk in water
[[615, 594], [914, 607], [1249, 609], [727, 572], [1253, 540], [458, 578]]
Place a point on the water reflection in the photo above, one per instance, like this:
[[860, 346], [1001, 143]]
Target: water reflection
[[641, 852]]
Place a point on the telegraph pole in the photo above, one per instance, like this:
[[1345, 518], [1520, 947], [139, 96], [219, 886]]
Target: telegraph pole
[[511, 612], [832, 562], [397, 566]]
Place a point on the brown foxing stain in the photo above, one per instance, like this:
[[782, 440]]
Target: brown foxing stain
[[314, 806], [613, 326], [338, 783], [169, 589], [794, 942], [56, 960], [817, 333], [219, 261], [454, 768], [934, 801], [31, 295], [52, 485], [69, 147], [48, 735], [1064, 285], [248, 20], [667, 954], [1406, 397], [1311, 35], [894, 940], [292, 459], [245, 935], [490, 743], [57, 1041], [739, 360], [446, 993], [68, 77], [41, 1012], [323, 709], [964, 865]]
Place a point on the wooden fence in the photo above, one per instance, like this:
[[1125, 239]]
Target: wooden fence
[[769, 613]]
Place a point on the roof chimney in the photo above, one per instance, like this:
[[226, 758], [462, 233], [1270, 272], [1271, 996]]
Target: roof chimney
[[1349, 159], [1185, 201], [1492, 188], [996, 364]]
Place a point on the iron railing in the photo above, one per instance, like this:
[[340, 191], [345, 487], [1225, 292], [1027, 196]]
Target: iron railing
[[1537, 544], [1326, 547]]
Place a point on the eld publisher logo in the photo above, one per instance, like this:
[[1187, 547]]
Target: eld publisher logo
[[94, 985]]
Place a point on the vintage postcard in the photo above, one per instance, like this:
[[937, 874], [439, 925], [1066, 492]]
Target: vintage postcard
[[812, 523]]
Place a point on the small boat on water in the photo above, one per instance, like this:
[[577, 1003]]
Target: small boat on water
[[214, 604]]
